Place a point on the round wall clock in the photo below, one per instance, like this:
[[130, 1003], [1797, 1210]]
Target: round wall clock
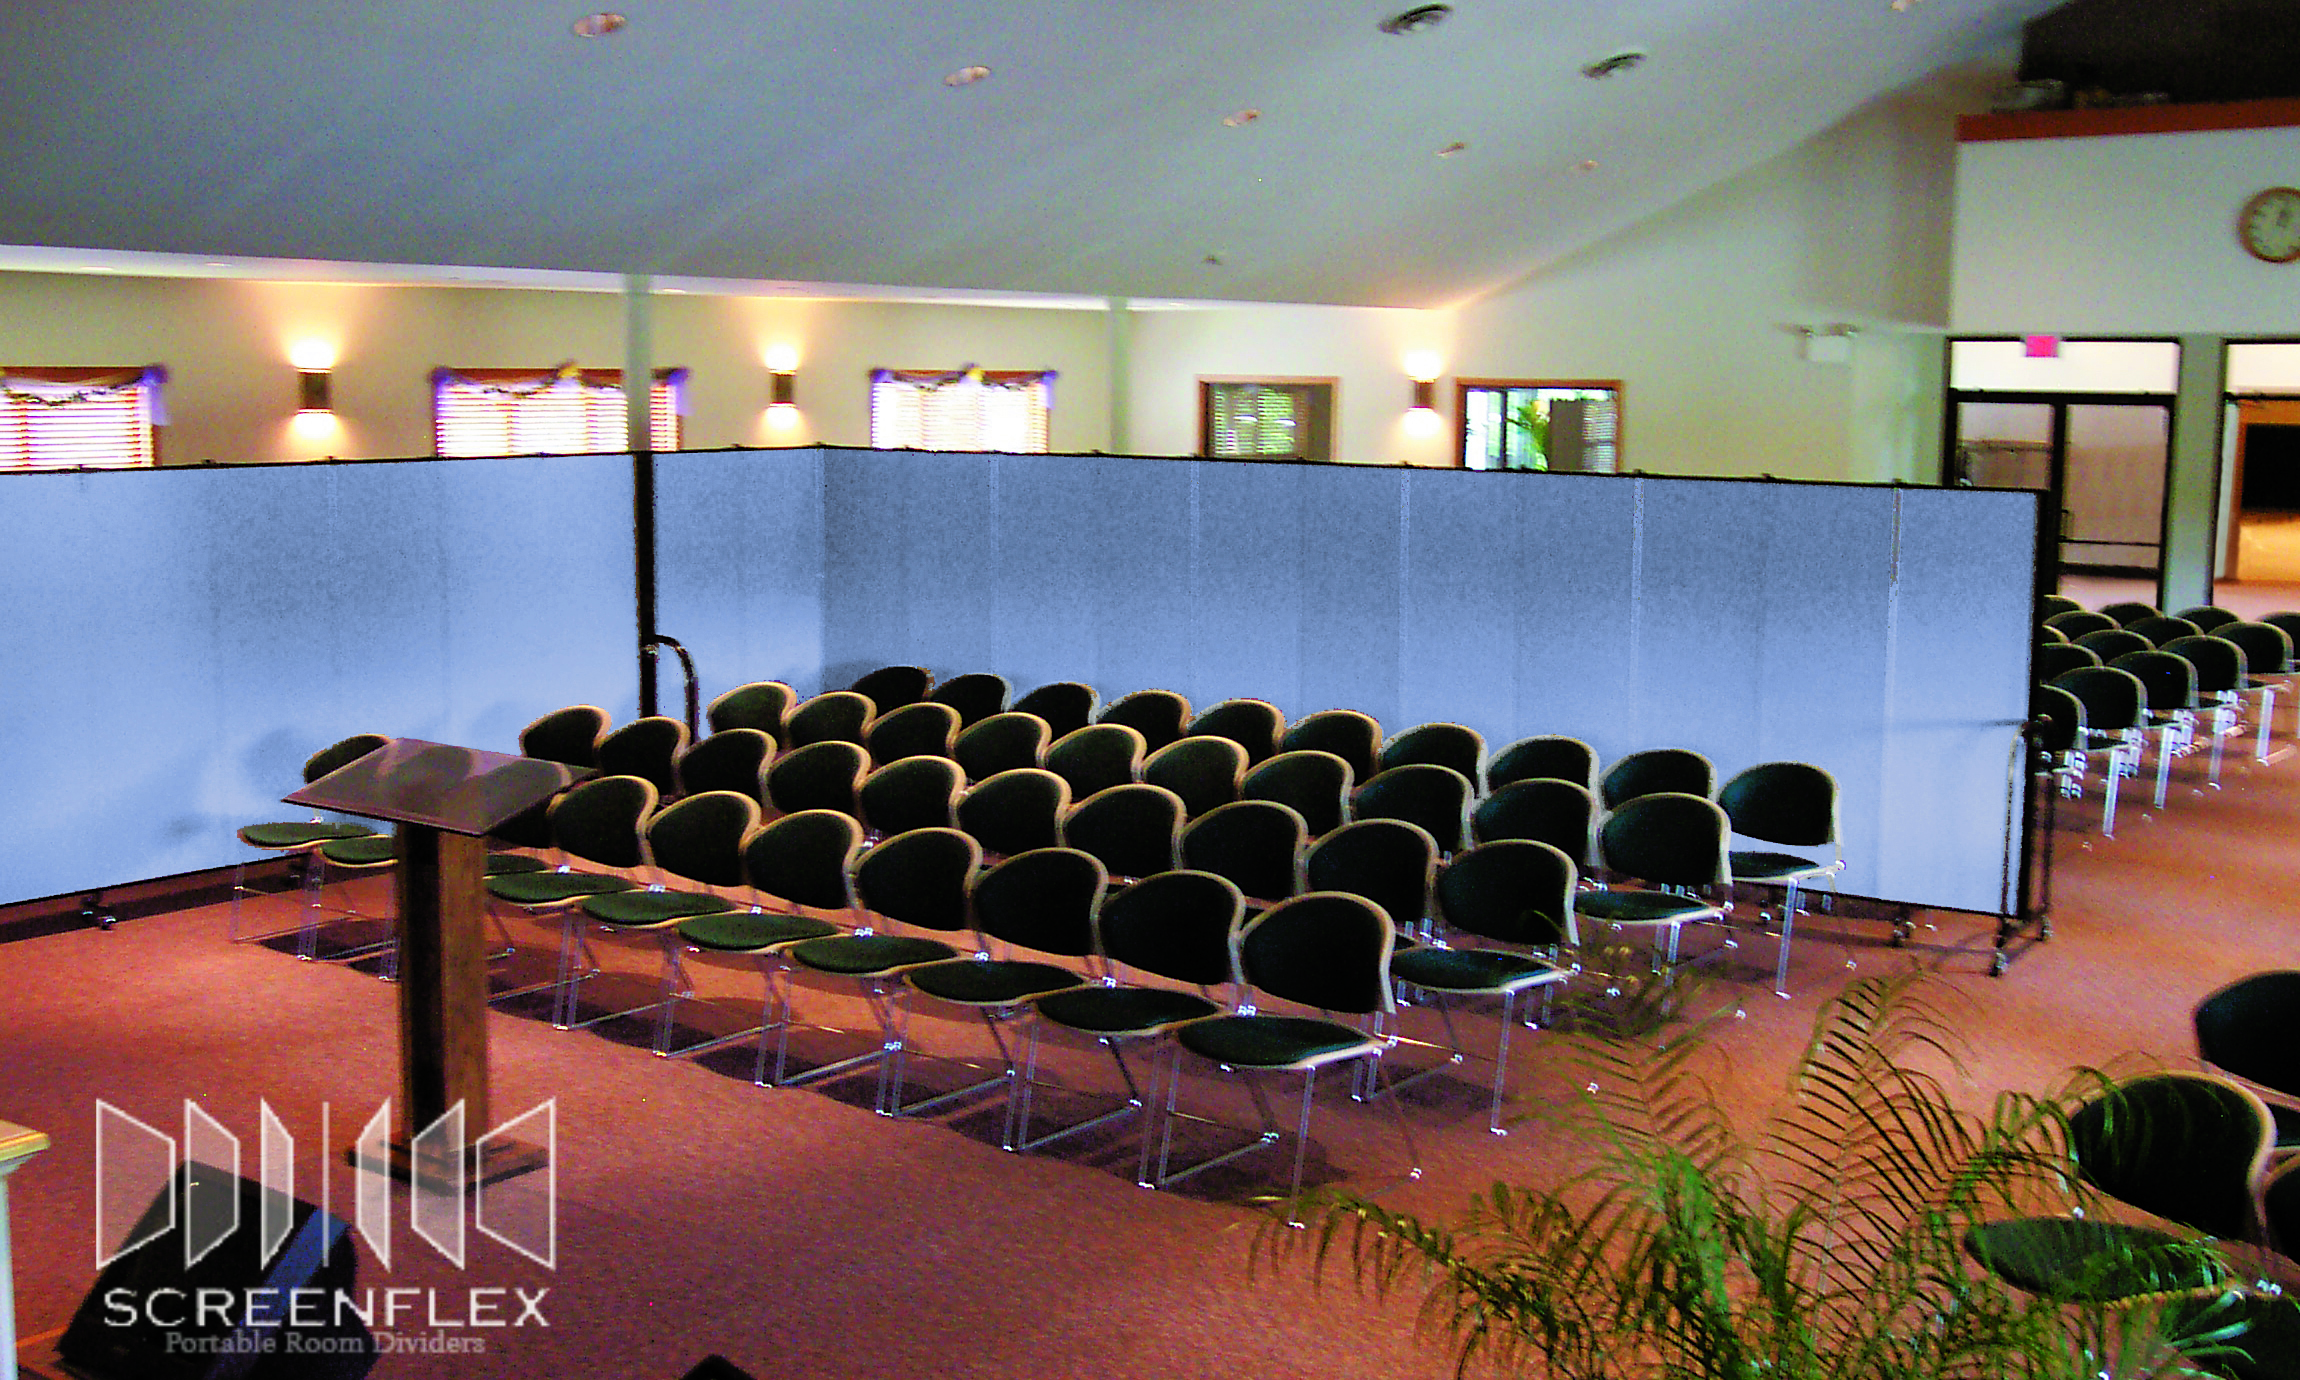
[[2269, 225]]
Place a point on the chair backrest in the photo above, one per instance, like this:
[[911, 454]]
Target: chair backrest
[[1354, 737], [1015, 810], [1135, 829], [648, 747], [1178, 925], [2113, 698], [599, 820], [2267, 648], [2063, 714], [976, 696], [2209, 616], [1066, 705], [2111, 643], [701, 837], [1562, 814], [1438, 744], [1257, 844], [925, 729], [892, 687], [1160, 716], [1672, 838], [1324, 949], [920, 878], [2251, 1028], [340, 754], [2163, 628], [2059, 603], [1255, 725], [1097, 757], [819, 776], [1388, 861], [1002, 742], [1435, 797], [729, 760], [1204, 771], [2060, 658], [2218, 662], [2189, 1147], [1044, 900], [2131, 611], [2169, 680], [835, 716], [2045, 634], [1511, 891], [1550, 756], [1654, 770], [569, 736], [912, 793], [762, 704], [1314, 783], [2280, 1200], [1782, 802], [2077, 622], [807, 859], [2287, 621]]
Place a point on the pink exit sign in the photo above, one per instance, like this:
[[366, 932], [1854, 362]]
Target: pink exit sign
[[2041, 346]]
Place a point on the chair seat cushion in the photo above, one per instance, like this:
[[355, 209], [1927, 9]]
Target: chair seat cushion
[[554, 888], [1273, 1042], [299, 833], [366, 850], [1640, 907], [1772, 867], [746, 932], [511, 864], [1471, 970], [866, 955], [991, 983], [653, 907], [1124, 1010], [2080, 1259]]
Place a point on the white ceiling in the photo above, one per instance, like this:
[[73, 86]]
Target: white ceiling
[[819, 142]]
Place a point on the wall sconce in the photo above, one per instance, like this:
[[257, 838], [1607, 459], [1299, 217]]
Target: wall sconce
[[313, 392], [1422, 418], [782, 398]]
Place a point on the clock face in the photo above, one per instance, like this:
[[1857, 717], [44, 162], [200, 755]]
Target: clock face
[[2270, 225]]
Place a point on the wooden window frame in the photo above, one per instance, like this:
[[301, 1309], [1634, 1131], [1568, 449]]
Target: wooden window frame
[[664, 401], [143, 380], [1320, 433], [1462, 387]]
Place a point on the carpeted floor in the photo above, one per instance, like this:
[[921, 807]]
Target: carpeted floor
[[801, 1235]]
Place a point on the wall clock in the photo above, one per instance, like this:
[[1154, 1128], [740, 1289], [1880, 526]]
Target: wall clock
[[2269, 225]]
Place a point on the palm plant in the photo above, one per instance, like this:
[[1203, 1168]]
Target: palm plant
[[1826, 1244]]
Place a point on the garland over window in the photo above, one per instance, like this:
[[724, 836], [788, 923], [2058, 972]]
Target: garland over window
[[1001, 410], [71, 418], [564, 410]]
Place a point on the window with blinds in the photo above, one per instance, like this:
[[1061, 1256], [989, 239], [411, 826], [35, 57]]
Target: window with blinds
[[545, 411], [1279, 419], [1570, 425], [1003, 411], [57, 418]]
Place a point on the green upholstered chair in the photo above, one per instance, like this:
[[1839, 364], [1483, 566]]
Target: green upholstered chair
[[2111, 643], [2053, 604], [2059, 658], [569, 736], [647, 747], [1066, 705], [892, 687], [1312, 782], [925, 729], [2169, 682], [819, 776], [1562, 814], [976, 696], [1255, 725], [2115, 707], [2163, 628], [1435, 744], [2288, 621], [2250, 1029], [1015, 811], [695, 853], [1390, 862], [917, 881], [1003, 742], [2206, 617], [1793, 804], [1354, 737], [2081, 1260], [835, 716], [913, 793], [2221, 681], [762, 704], [2240, 1334], [1097, 757], [1175, 926], [1435, 797], [1657, 769], [1134, 830], [2046, 635], [732, 759], [2130, 611], [2267, 670], [1676, 843], [300, 840], [1545, 756], [1042, 902], [596, 824], [1324, 951], [1203, 770], [1503, 910], [1256, 845], [1160, 716], [2075, 623]]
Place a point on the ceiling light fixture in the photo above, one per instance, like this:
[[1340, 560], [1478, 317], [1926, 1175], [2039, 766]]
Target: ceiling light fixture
[[966, 76], [1418, 20], [1614, 64], [1241, 118], [599, 25], [1586, 165], [1457, 146]]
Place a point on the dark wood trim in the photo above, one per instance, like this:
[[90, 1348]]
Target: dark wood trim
[[2122, 120]]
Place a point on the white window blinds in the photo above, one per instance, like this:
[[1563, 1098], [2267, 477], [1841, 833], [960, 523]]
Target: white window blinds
[[54, 418], [563, 411], [1005, 411]]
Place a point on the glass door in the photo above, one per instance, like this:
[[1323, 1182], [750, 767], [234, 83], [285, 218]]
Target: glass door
[[2101, 464]]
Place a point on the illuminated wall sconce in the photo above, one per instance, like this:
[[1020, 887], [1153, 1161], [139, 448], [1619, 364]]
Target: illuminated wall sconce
[[783, 389], [1423, 367], [313, 392]]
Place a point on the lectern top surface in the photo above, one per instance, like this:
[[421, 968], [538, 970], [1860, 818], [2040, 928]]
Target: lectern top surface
[[458, 789]]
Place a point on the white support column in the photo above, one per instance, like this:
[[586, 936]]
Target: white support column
[[1121, 438], [17, 1144], [639, 359]]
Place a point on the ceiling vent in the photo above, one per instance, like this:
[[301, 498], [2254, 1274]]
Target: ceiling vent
[[1419, 19], [1615, 65]]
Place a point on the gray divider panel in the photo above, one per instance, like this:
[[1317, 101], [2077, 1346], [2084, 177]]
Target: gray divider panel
[[739, 568]]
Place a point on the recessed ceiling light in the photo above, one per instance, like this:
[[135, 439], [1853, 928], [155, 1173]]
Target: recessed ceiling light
[[1586, 165], [599, 25], [1212, 261], [966, 76], [1419, 19], [1239, 118], [1614, 64], [1457, 146]]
